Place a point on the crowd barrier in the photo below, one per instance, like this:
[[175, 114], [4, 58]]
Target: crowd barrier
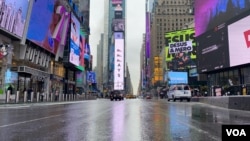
[[42, 97]]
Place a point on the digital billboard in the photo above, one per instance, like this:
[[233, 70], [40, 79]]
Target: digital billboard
[[74, 41], [212, 50], [180, 49], [13, 16], [115, 2], [148, 24], [48, 25], [91, 77], [211, 13], [118, 35], [119, 64], [177, 77], [81, 50], [239, 42], [118, 25]]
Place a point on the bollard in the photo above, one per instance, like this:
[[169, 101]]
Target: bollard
[[47, 96], [25, 97], [8, 96], [66, 97], [51, 97], [17, 97], [37, 97], [63, 97], [59, 97], [32, 97]]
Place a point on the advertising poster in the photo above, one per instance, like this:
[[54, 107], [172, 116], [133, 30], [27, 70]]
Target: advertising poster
[[48, 25], [74, 41], [180, 49], [13, 16]]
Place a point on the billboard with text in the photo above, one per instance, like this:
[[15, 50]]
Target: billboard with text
[[180, 49], [119, 64]]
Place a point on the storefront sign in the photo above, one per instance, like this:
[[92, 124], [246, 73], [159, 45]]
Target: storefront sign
[[37, 57]]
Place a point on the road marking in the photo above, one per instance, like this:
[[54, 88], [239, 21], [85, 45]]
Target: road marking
[[23, 122]]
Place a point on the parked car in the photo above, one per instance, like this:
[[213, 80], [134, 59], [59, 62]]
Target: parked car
[[179, 92], [116, 95]]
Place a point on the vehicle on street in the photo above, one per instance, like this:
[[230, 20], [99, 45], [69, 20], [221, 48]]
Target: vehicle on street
[[130, 96], [116, 95], [179, 92], [148, 96], [163, 92]]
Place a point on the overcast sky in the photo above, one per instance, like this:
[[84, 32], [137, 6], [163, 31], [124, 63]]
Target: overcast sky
[[135, 22]]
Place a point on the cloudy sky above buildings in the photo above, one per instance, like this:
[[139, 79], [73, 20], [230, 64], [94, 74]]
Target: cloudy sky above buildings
[[135, 25]]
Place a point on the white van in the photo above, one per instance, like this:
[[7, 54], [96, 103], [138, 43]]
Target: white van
[[180, 92]]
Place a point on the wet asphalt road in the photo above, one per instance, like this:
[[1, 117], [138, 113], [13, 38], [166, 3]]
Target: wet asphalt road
[[128, 120]]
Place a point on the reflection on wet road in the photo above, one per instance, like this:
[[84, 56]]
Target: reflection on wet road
[[128, 120]]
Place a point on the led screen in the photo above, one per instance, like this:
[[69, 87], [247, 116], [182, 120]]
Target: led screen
[[212, 13], [11, 76], [115, 2], [177, 78], [119, 64], [212, 50], [118, 35], [239, 42], [118, 25], [148, 34], [81, 50], [13, 16], [193, 72], [91, 77], [74, 41], [48, 25], [180, 49]]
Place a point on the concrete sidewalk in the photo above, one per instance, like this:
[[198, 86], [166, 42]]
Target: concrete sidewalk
[[237, 102]]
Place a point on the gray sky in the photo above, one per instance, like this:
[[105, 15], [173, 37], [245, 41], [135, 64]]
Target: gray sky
[[135, 23]]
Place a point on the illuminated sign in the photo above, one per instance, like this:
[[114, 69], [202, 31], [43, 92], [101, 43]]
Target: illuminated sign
[[180, 49], [74, 55], [48, 25], [119, 64], [13, 16]]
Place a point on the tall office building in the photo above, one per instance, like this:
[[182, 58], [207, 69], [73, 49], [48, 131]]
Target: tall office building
[[166, 16]]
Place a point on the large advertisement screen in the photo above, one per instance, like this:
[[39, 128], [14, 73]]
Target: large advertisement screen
[[13, 16], [118, 25], [177, 77], [48, 25], [239, 42], [212, 13], [115, 2], [180, 49], [81, 50], [148, 35], [74, 41], [119, 65], [212, 50]]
